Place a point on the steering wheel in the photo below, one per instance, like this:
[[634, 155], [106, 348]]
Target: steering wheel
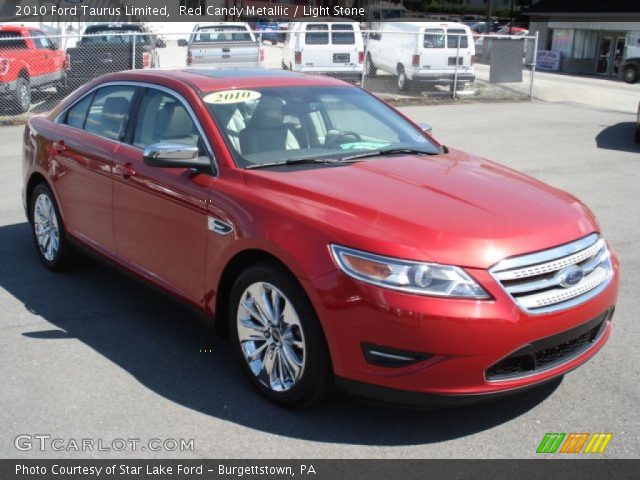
[[337, 140]]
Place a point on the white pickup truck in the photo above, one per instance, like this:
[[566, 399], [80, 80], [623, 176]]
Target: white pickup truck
[[224, 45]]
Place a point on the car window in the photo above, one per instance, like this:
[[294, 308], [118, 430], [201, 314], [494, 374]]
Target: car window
[[114, 37], [11, 41], [227, 33], [342, 35], [109, 111], [317, 34], [453, 35], [434, 38], [162, 118], [78, 113], [41, 41]]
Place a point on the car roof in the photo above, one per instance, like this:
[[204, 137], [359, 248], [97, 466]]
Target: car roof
[[218, 79]]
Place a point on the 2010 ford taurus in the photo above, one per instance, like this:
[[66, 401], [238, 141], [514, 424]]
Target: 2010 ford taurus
[[337, 241]]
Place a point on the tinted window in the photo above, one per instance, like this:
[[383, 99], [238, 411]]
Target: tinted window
[[317, 35], [342, 35], [11, 40], [452, 38], [114, 36], [109, 112], [434, 39], [163, 118], [77, 114]]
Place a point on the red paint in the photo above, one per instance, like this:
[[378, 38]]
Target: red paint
[[452, 208]]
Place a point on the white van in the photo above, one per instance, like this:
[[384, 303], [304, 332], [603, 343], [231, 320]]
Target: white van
[[422, 52], [224, 45], [324, 47]]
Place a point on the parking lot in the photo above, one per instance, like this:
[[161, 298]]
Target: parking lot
[[95, 354]]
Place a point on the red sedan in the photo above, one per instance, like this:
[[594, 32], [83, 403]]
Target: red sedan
[[338, 242]]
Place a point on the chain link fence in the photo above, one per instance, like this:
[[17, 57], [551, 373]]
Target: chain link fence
[[37, 71]]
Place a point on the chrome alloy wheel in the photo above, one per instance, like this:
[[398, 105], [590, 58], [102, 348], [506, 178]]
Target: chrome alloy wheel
[[45, 224], [271, 336]]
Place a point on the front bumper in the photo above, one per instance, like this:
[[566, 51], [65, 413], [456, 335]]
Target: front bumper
[[462, 338]]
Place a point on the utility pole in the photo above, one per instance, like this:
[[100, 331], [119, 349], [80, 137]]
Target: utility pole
[[487, 20]]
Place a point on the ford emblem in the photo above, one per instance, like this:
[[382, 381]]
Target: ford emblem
[[570, 276]]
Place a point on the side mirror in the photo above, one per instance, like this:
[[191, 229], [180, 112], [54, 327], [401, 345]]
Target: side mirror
[[425, 127], [174, 155]]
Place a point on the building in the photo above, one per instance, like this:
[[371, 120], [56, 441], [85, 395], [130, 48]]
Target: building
[[589, 35]]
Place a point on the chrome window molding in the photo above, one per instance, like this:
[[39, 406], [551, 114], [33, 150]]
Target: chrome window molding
[[162, 88], [534, 281]]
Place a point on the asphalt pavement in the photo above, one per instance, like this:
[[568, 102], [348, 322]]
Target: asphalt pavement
[[93, 354]]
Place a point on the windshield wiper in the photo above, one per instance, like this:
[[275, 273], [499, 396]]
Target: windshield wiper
[[293, 161], [386, 151]]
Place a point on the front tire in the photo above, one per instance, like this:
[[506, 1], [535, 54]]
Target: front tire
[[48, 231], [630, 74], [278, 338], [404, 84], [370, 68]]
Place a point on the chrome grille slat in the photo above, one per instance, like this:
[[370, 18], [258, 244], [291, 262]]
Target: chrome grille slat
[[551, 266], [537, 282]]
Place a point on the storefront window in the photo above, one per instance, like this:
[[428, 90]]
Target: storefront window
[[562, 41], [585, 44]]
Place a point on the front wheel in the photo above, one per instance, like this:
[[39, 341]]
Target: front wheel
[[369, 67], [48, 231], [630, 74], [278, 338]]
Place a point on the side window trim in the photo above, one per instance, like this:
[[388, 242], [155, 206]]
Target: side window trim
[[136, 102], [61, 117]]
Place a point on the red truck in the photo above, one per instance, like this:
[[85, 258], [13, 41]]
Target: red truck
[[28, 60]]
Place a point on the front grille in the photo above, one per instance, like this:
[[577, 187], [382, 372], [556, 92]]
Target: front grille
[[549, 352], [539, 282]]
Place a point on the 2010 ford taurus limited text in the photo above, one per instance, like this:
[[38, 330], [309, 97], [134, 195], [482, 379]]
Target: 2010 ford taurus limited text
[[336, 241]]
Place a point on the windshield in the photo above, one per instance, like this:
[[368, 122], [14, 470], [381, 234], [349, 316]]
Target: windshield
[[273, 124], [113, 36]]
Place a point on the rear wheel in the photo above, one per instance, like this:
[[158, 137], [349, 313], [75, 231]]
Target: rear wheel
[[62, 88], [22, 96], [48, 231], [370, 68], [278, 338], [630, 74], [404, 84]]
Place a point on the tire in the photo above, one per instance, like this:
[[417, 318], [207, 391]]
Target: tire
[[370, 68], [21, 97], [460, 86], [56, 254], [630, 74], [403, 83], [638, 134], [300, 372], [284, 66], [62, 88]]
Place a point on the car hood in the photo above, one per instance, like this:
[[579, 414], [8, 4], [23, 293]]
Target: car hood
[[452, 208]]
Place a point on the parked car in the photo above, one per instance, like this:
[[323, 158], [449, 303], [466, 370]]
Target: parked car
[[324, 47], [423, 52], [638, 125], [108, 47], [630, 70], [479, 27], [513, 31], [29, 60], [224, 45], [335, 240], [269, 32]]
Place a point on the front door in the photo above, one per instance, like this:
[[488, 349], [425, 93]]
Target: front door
[[618, 55], [603, 60], [160, 214]]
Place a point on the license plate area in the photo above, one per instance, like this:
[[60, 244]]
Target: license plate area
[[341, 58]]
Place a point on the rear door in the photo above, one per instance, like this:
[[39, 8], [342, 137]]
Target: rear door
[[346, 46], [434, 52], [459, 49], [160, 214], [316, 49], [82, 150]]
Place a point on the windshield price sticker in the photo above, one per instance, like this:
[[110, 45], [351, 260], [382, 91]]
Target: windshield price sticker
[[232, 96]]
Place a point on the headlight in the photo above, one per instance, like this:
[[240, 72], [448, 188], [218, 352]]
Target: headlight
[[407, 276]]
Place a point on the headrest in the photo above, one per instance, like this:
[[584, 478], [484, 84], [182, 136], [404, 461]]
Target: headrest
[[115, 106], [269, 113]]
